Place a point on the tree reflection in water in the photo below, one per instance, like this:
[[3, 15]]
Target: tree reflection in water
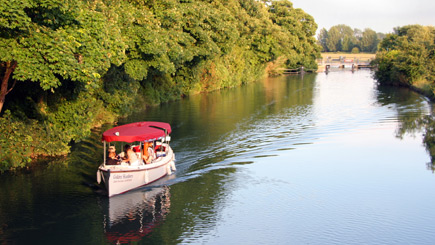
[[427, 125], [412, 119], [428, 122], [131, 216]]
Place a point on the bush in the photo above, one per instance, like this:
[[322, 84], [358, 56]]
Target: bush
[[406, 57], [22, 140], [15, 142]]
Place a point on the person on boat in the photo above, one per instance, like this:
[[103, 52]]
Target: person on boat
[[111, 158], [148, 153], [129, 156]]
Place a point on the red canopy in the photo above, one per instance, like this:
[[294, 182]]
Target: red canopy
[[138, 131]]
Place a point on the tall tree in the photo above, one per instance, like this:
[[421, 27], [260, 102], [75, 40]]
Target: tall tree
[[347, 43], [369, 41], [299, 28], [341, 37], [79, 62], [323, 39], [46, 42], [334, 40]]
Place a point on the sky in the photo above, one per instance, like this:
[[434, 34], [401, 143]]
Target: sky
[[378, 15]]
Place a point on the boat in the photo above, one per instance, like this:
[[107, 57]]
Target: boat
[[123, 177]]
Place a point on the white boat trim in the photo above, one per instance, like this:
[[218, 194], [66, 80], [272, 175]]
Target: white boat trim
[[125, 177], [119, 179]]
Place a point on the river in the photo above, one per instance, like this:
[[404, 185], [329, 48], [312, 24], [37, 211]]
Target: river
[[313, 159]]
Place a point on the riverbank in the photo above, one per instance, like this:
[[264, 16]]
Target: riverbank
[[406, 59], [55, 98]]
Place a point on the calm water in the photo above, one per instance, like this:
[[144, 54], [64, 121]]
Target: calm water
[[318, 159]]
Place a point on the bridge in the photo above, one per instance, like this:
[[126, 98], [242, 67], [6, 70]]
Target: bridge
[[342, 62], [327, 64]]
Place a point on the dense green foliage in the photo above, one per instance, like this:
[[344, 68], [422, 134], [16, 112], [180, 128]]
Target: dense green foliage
[[341, 38], [407, 57], [67, 65]]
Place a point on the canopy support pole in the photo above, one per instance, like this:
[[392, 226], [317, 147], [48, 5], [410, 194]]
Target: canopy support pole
[[104, 152], [140, 150]]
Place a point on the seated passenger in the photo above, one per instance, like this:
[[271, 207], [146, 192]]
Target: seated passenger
[[129, 156], [111, 158], [148, 153], [160, 151]]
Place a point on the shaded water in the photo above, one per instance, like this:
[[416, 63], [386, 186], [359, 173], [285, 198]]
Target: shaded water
[[318, 159]]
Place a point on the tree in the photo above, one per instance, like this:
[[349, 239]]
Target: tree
[[68, 65], [347, 43], [357, 33], [343, 38], [299, 29], [323, 39], [369, 41], [46, 42], [334, 40], [407, 57], [355, 50]]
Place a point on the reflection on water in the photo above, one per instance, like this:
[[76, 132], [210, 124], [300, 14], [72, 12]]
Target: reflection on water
[[412, 120], [429, 139], [289, 160], [210, 129], [133, 215], [427, 124]]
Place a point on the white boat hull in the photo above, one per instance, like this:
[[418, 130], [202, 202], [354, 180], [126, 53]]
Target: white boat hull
[[119, 179]]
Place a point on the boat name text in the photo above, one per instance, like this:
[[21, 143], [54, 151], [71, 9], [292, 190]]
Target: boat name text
[[123, 176]]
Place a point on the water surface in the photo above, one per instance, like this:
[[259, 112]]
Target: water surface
[[318, 159]]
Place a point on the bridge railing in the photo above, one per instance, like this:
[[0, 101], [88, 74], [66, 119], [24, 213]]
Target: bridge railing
[[344, 59]]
